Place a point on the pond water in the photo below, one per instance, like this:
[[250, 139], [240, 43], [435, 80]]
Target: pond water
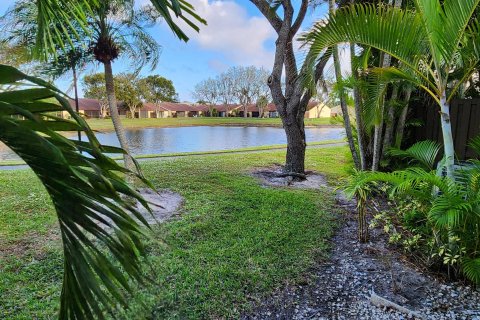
[[202, 138]]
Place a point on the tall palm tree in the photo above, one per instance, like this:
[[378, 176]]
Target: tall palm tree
[[428, 41], [111, 28], [118, 28]]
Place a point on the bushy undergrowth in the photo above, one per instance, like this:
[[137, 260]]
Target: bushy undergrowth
[[435, 217]]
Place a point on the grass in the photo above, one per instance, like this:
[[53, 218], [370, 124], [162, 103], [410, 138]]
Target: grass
[[106, 124], [235, 243]]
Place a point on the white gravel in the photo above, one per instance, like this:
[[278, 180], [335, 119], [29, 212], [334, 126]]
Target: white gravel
[[340, 288]]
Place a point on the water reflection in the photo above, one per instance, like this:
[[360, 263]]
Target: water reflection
[[194, 139]]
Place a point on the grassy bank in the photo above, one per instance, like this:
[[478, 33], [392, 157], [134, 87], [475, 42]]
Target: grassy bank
[[235, 242], [106, 124]]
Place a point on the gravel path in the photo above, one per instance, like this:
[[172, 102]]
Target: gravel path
[[341, 288]]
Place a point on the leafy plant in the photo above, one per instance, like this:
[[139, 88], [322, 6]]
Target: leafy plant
[[447, 210], [101, 229]]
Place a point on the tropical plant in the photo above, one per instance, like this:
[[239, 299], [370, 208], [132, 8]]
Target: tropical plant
[[262, 103], [428, 41], [110, 28], [100, 228], [449, 218], [342, 96]]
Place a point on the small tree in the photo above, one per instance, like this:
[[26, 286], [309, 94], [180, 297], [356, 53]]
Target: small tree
[[127, 89], [262, 103], [249, 83], [207, 91], [226, 91], [94, 88], [157, 89]]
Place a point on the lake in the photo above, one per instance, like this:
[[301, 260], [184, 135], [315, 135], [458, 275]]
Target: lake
[[201, 138]]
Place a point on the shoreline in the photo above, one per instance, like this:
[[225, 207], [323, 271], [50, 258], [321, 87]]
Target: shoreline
[[13, 164], [269, 125]]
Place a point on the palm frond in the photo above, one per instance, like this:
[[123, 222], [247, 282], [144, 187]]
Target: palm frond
[[400, 33], [471, 268], [423, 152], [87, 190]]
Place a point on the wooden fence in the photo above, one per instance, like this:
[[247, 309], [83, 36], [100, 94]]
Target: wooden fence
[[465, 117]]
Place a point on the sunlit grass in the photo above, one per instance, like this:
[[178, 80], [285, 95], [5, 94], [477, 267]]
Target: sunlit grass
[[236, 241]]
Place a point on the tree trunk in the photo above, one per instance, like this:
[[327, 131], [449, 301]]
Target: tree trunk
[[387, 139], [296, 144], [117, 124], [402, 119], [132, 111], [447, 135], [357, 98]]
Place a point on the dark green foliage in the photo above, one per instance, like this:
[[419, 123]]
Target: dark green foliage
[[87, 191], [442, 213]]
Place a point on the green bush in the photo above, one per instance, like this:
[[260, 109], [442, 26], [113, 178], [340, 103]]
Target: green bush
[[435, 215]]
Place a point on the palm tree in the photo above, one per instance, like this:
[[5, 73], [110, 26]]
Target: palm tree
[[117, 28], [428, 42], [113, 28]]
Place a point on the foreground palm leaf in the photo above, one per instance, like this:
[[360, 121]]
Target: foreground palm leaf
[[98, 226]]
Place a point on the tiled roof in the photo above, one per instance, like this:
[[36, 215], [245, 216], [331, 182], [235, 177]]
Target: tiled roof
[[86, 104]]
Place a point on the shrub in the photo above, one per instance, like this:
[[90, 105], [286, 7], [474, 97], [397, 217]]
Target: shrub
[[438, 214]]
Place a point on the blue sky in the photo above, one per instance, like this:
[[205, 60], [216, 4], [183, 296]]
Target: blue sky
[[237, 34]]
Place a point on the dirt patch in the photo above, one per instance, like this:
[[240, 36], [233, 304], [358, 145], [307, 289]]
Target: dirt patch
[[273, 177], [341, 288], [164, 204]]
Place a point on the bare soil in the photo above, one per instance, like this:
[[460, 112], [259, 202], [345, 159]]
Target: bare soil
[[164, 204], [271, 177]]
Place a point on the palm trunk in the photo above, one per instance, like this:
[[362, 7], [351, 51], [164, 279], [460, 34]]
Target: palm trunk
[[377, 137], [402, 119], [343, 105], [75, 89], [117, 124], [447, 135], [387, 139], [358, 113], [343, 102]]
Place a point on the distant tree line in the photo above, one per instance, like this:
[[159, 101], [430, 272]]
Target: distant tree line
[[131, 89], [237, 85]]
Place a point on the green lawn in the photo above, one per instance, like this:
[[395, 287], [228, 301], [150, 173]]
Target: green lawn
[[106, 124], [235, 242]]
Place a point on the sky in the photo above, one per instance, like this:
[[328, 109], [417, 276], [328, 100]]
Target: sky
[[236, 34]]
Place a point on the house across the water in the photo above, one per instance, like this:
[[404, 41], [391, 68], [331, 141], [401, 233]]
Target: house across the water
[[92, 108]]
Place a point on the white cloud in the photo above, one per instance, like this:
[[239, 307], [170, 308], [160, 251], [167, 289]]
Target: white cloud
[[231, 31]]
